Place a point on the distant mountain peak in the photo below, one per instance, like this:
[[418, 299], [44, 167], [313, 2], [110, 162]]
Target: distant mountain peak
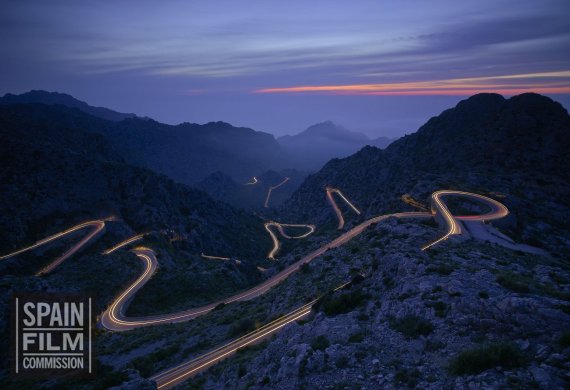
[[323, 141], [330, 129]]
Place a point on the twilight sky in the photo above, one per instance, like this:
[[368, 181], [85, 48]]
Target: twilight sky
[[280, 66]]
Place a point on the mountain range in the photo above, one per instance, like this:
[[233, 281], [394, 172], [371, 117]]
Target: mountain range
[[189, 152], [55, 98]]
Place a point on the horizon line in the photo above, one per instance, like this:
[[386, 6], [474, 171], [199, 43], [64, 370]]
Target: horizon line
[[447, 87]]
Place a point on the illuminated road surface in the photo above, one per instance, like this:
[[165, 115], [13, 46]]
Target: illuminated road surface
[[279, 226], [266, 205], [97, 227], [498, 210], [252, 182], [330, 198], [122, 244], [114, 319], [184, 371], [213, 257], [407, 198], [178, 374], [171, 377]]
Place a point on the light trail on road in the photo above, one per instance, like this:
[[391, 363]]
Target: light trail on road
[[122, 244], [180, 373], [498, 210], [266, 205], [213, 257], [330, 191], [173, 376], [114, 319], [279, 226], [252, 182], [407, 198], [97, 227]]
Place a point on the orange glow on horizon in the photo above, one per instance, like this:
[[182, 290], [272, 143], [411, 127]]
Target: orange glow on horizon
[[558, 83]]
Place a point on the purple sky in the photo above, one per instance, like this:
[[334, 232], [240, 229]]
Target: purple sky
[[280, 66]]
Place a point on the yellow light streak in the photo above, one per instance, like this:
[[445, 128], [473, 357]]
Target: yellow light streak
[[329, 192], [124, 243], [266, 205]]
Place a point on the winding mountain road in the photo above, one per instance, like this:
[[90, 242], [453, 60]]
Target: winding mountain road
[[252, 182], [97, 228], [498, 210], [175, 375], [270, 190], [280, 226], [114, 317], [122, 244], [330, 191]]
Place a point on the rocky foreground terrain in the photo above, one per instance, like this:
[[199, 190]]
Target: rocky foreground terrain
[[465, 315]]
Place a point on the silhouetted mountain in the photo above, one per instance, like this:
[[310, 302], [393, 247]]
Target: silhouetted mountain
[[189, 152], [52, 98], [319, 143], [517, 146], [186, 153]]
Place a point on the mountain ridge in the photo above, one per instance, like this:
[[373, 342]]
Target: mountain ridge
[[186, 153], [189, 152], [57, 98], [487, 143]]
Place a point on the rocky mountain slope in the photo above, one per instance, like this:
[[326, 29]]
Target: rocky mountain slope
[[468, 315], [516, 147], [314, 146]]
